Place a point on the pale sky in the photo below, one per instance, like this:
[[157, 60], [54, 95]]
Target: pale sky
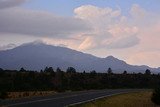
[[126, 29]]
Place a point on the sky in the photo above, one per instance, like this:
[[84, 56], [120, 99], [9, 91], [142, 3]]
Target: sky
[[126, 29]]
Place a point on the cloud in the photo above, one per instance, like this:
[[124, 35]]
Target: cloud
[[137, 12], [39, 23], [96, 30], [70, 43], [125, 42], [10, 3], [88, 43], [95, 12], [9, 46], [97, 27], [110, 28], [133, 38], [146, 57], [99, 17]]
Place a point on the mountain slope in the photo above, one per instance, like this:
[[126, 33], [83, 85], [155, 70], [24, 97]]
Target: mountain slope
[[36, 56]]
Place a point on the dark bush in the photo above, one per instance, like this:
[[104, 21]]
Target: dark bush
[[156, 96], [3, 95]]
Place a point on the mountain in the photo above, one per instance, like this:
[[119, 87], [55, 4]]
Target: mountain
[[36, 56]]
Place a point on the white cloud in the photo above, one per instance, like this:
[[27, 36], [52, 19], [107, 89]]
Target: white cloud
[[88, 11], [88, 43], [147, 57], [8, 46], [95, 30], [99, 17], [125, 42], [70, 43], [137, 12], [110, 28], [134, 38], [92, 26], [10, 3]]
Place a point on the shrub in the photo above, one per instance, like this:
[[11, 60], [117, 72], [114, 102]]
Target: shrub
[[26, 94], [156, 96], [3, 95]]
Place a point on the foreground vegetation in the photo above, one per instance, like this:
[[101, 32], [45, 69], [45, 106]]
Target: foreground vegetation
[[156, 96], [58, 80], [15, 95], [137, 99]]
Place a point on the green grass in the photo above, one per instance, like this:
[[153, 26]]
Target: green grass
[[134, 99]]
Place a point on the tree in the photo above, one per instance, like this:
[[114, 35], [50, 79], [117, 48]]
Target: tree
[[156, 96], [71, 70], [59, 80], [45, 70], [125, 72], [109, 71], [50, 69], [148, 72], [1, 69], [93, 73], [84, 72], [22, 70], [58, 70], [41, 70]]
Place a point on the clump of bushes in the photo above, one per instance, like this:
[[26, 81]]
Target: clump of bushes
[[3, 95], [156, 96]]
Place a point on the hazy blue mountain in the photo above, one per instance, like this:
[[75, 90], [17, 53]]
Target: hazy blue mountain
[[36, 56]]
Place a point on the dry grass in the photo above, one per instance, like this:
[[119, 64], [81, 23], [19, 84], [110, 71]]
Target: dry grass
[[15, 95], [137, 99]]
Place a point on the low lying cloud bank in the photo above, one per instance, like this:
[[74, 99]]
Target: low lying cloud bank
[[10, 3], [39, 23]]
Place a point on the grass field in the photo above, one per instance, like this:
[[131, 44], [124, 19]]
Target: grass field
[[136, 99], [15, 95]]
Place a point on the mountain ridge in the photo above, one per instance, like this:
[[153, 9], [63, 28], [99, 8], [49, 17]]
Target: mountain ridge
[[36, 56]]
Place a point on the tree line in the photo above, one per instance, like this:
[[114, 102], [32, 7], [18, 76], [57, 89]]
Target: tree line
[[59, 80]]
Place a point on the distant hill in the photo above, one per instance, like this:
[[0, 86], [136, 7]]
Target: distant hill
[[36, 56]]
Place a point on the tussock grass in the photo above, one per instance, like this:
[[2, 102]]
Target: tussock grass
[[15, 95], [135, 99]]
